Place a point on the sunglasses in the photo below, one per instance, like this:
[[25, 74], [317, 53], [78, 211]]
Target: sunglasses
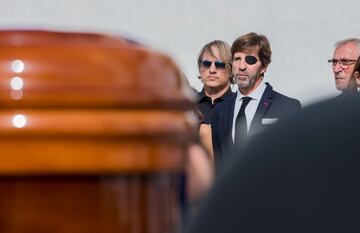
[[207, 64]]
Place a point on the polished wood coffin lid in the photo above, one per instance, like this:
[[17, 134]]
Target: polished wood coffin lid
[[89, 103]]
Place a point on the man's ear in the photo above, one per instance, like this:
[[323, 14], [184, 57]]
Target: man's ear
[[357, 77], [263, 70]]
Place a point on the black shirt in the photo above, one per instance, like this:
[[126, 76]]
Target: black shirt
[[205, 105]]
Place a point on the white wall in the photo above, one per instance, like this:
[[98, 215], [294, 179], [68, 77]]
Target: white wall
[[301, 33]]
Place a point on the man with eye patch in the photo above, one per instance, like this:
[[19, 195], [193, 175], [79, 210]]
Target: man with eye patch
[[215, 73], [254, 106], [343, 62]]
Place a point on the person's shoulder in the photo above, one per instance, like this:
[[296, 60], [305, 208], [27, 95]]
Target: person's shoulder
[[224, 108], [286, 98], [228, 93], [228, 101], [277, 96], [200, 95], [342, 95]]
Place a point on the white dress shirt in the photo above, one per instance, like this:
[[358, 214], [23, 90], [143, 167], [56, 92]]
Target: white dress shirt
[[250, 108]]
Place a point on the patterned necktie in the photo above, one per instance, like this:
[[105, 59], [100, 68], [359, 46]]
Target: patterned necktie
[[241, 124]]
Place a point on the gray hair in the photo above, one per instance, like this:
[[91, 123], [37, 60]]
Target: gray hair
[[348, 40]]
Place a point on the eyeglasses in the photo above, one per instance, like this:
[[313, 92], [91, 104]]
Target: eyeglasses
[[250, 60], [344, 63], [207, 64]]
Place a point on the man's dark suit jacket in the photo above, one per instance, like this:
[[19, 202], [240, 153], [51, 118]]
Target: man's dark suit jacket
[[273, 106]]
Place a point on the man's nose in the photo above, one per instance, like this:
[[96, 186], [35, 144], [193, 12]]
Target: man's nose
[[242, 65], [337, 67], [212, 68]]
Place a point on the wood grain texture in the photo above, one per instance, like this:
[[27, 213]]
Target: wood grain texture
[[91, 204]]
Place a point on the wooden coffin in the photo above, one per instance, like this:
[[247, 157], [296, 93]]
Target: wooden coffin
[[94, 132]]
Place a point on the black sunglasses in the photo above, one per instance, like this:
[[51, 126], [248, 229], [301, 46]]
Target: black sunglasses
[[207, 64]]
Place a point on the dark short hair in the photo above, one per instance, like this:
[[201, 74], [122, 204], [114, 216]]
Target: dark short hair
[[250, 41]]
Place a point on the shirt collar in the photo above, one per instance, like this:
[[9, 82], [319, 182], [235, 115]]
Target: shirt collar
[[256, 94], [203, 96]]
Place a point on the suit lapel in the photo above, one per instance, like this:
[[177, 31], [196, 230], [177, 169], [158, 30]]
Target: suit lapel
[[264, 104], [229, 117]]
